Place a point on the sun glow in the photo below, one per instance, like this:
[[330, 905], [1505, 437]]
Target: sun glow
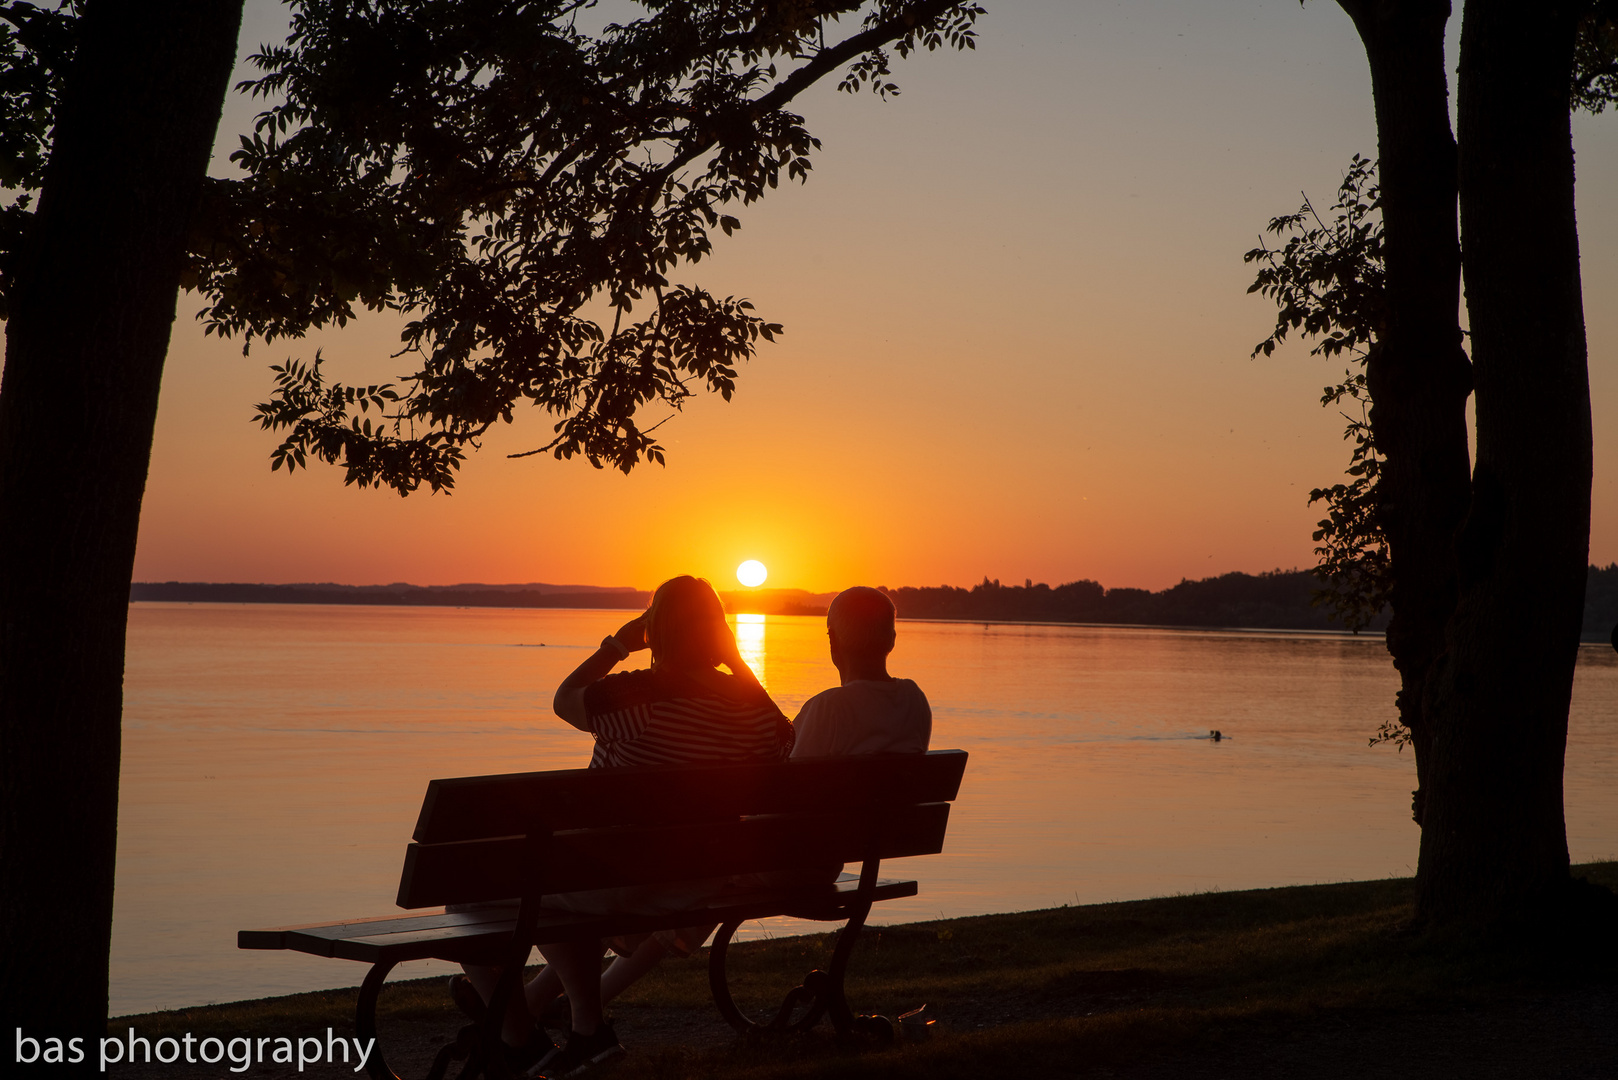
[[752, 573]]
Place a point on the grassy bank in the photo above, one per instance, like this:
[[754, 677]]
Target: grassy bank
[[1211, 984]]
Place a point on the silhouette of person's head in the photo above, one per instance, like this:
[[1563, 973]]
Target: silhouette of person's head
[[684, 624], [860, 626]]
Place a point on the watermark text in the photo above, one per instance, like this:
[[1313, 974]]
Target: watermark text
[[241, 1052]]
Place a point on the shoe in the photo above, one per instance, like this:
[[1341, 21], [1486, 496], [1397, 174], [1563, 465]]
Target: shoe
[[466, 998], [581, 1054]]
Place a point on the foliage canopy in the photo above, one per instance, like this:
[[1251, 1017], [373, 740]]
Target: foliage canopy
[[36, 45], [1328, 281], [521, 190], [1595, 59]]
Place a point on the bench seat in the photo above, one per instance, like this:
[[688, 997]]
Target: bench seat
[[483, 934]]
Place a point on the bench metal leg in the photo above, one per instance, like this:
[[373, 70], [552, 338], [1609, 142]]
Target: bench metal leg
[[813, 991], [365, 1021], [842, 1017], [822, 990], [464, 1047]]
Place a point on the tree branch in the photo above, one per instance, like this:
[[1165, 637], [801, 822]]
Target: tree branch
[[825, 60]]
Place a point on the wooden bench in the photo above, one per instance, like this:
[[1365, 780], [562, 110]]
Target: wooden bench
[[509, 841]]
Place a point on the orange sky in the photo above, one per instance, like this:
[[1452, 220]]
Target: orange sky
[[1017, 338]]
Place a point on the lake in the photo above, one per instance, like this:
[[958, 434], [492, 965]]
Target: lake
[[275, 757]]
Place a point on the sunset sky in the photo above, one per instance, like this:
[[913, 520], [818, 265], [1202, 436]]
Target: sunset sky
[[1016, 343]]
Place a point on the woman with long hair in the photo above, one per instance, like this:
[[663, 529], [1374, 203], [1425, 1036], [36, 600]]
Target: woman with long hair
[[683, 708], [697, 702]]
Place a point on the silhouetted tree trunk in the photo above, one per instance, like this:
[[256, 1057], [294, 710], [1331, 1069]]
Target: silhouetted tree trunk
[[86, 340], [1418, 374], [1494, 841], [1487, 615]]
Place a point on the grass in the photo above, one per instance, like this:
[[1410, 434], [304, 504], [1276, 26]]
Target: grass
[[1030, 993]]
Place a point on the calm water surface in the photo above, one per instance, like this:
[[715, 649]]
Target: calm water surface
[[275, 758]]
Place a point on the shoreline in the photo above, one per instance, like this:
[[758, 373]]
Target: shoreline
[[1299, 980], [1190, 627], [1269, 631]]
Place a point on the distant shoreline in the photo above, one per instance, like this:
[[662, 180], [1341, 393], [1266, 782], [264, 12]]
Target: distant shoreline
[[1281, 601], [523, 596], [1196, 628], [984, 622]]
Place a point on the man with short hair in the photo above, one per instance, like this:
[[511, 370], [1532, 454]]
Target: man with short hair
[[871, 712]]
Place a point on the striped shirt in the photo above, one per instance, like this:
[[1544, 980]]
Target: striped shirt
[[660, 718]]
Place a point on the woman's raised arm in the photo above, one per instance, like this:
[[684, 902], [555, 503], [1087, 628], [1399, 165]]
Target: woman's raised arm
[[569, 700]]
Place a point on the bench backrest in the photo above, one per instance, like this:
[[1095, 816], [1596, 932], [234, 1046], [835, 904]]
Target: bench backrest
[[494, 837]]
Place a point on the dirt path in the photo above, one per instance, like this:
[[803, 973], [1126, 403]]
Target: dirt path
[[1568, 1035]]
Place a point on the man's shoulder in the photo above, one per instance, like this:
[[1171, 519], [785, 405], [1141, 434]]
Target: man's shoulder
[[867, 692], [894, 689], [909, 686], [831, 693]]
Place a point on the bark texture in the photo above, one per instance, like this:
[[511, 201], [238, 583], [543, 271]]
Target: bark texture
[[1494, 843], [89, 330], [1418, 373]]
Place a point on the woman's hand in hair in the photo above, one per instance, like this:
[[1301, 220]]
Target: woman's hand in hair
[[730, 655], [632, 635], [727, 652]]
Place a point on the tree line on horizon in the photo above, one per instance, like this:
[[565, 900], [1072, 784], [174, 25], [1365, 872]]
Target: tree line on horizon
[[1275, 600]]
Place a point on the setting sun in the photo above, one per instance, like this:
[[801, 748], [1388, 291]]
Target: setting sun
[[751, 573]]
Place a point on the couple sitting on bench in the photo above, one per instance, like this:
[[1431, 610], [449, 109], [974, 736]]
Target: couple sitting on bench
[[685, 710]]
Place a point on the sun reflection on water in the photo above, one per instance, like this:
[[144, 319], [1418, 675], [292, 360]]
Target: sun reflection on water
[[750, 643]]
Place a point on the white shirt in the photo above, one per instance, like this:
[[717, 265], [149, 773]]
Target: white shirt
[[864, 717]]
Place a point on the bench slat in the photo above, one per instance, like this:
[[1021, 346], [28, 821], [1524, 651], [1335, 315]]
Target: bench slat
[[475, 807], [483, 934], [479, 870], [312, 933]]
